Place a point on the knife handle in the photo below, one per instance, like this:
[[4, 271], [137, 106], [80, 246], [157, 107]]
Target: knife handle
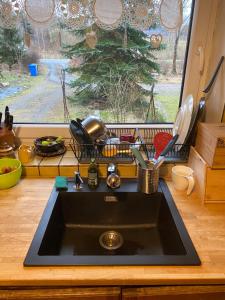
[[7, 118], [10, 122]]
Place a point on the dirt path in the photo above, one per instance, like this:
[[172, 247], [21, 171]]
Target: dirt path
[[39, 104], [43, 102]]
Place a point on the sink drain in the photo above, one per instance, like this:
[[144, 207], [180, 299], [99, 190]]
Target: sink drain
[[111, 240]]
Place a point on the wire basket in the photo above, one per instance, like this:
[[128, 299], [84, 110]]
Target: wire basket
[[179, 153], [118, 153], [121, 153]]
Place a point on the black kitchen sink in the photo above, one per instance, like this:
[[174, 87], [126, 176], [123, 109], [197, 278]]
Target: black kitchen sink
[[102, 227]]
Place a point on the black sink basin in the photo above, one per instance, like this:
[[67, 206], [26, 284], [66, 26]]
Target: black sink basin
[[111, 228]]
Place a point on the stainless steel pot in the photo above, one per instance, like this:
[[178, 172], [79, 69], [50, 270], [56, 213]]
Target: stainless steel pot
[[94, 127]]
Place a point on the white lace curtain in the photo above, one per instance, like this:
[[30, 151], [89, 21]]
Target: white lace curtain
[[81, 14]]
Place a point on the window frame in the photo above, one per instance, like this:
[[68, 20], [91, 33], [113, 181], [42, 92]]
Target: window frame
[[201, 13]]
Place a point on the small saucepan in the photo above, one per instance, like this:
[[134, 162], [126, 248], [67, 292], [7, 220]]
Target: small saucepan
[[93, 126]]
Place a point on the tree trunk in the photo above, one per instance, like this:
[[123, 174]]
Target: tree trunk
[[174, 67]]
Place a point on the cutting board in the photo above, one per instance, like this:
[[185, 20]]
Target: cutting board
[[210, 143]]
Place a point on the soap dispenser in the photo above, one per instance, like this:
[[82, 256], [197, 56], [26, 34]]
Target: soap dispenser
[[113, 179]]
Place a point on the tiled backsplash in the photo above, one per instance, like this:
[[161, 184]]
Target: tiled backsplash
[[66, 165]]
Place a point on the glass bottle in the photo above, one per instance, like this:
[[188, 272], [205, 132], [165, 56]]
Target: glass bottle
[[93, 174]]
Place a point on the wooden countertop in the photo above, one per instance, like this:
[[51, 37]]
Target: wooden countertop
[[20, 211]]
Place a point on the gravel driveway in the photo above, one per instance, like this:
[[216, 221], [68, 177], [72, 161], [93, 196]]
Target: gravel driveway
[[42, 100]]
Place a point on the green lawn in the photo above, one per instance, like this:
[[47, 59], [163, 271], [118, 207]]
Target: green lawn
[[166, 99], [16, 79], [169, 104]]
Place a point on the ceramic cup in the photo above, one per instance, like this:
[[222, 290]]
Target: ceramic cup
[[183, 179], [25, 153]]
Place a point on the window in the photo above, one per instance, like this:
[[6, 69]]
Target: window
[[125, 64]]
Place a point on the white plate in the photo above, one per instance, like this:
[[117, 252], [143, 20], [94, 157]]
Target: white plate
[[183, 120]]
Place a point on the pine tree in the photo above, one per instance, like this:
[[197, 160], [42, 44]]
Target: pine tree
[[11, 46], [122, 58]]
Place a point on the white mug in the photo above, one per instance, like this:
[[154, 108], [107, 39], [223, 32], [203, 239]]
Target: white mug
[[183, 179]]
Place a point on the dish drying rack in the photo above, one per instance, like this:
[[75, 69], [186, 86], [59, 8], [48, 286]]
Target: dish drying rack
[[143, 141]]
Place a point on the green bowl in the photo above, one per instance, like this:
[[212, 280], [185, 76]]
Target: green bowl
[[8, 180]]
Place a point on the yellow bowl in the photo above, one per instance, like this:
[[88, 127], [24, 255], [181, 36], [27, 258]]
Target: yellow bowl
[[10, 179]]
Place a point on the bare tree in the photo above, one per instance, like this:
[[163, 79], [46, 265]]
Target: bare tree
[[121, 94], [178, 34], [151, 112]]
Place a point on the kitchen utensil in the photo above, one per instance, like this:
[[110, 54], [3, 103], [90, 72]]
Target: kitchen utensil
[[140, 142], [79, 134], [183, 179], [7, 115], [6, 131], [10, 179], [10, 122], [183, 120], [124, 147], [6, 109], [210, 144], [109, 150], [159, 161], [148, 178], [139, 157], [127, 137], [199, 114], [170, 145], [160, 141], [25, 153], [93, 127], [113, 140]]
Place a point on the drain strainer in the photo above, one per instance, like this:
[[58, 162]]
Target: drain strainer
[[111, 240]]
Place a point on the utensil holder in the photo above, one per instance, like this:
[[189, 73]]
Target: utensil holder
[[7, 136], [148, 179]]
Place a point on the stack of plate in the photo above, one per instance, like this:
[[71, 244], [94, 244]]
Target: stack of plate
[[183, 123]]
